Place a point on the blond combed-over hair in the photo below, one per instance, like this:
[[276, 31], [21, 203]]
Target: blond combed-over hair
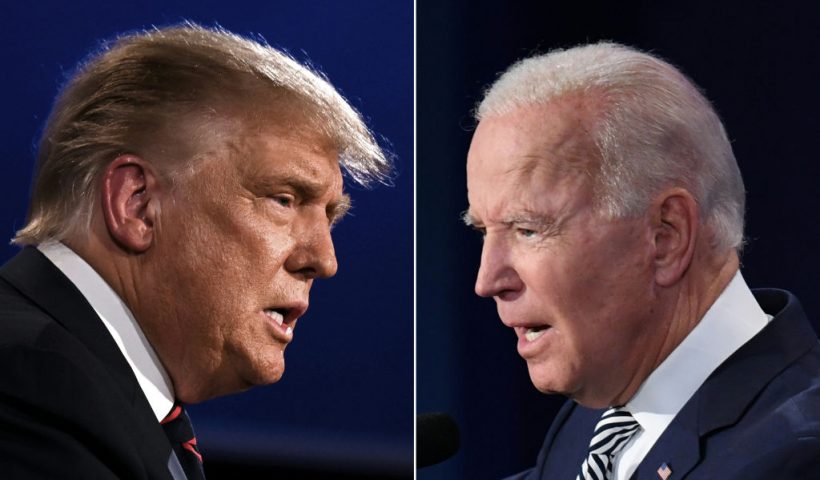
[[128, 96]]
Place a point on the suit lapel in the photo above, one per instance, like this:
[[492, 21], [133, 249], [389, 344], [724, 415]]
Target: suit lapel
[[567, 442], [726, 394], [33, 275], [678, 448], [36, 278]]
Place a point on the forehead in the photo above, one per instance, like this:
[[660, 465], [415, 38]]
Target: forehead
[[285, 146], [530, 155], [269, 145], [556, 133]]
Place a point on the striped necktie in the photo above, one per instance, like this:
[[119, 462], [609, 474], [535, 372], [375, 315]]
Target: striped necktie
[[611, 434], [180, 434]]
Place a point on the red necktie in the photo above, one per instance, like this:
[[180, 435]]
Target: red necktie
[[180, 433]]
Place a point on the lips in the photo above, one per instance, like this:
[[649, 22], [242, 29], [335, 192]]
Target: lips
[[534, 331], [277, 316], [284, 317], [532, 338], [531, 334]]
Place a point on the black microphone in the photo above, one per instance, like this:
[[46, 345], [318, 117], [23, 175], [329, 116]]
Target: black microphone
[[437, 438]]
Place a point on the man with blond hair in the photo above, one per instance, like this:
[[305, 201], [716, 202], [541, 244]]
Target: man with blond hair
[[187, 182], [611, 207]]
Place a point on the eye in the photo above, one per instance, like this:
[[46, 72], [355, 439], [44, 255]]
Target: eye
[[283, 200], [525, 232]]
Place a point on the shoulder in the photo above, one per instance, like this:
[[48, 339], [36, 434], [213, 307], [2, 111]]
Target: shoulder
[[45, 365], [59, 405], [789, 405], [31, 339], [777, 435], [56, 410], [21, 321]]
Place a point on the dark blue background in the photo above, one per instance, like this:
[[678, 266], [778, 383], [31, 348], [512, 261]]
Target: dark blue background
[[758, 63], [346, 400]]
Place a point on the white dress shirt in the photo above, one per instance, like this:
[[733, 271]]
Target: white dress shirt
[[121, 324], [730, 322]]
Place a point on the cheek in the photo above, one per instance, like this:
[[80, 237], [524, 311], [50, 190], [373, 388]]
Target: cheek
[[274, 244], [583, 292], [212, 274], [559, 281], [611, 271], [247, 248]]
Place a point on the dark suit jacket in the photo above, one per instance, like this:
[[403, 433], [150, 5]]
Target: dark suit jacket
[[70, 405], [756, 417]]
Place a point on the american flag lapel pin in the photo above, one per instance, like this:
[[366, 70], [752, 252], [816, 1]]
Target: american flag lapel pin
[[664, 471]]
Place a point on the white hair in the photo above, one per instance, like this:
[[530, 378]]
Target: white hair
[[652, 126]]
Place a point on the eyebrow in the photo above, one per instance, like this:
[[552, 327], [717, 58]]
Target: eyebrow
[[339, 209], [468, 218], [524, 216], [336, 210], [303, 186], [529, 216], [309, 190]]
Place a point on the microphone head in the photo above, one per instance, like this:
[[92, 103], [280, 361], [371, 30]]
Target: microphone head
[[437, 438]]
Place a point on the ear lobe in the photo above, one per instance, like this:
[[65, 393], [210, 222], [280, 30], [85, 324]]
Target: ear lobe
[[676, 224], [130, 201]]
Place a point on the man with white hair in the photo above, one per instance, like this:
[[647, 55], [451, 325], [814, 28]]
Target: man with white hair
[[611, 207], [187, 182]]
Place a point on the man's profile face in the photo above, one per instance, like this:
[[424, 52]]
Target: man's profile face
[[238, 250], [574, 286]]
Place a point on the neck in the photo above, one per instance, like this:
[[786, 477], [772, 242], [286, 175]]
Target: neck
[[680, 310], [116, 266]]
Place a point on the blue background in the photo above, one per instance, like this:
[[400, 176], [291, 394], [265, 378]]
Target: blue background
[[757, 62], [345, 403]]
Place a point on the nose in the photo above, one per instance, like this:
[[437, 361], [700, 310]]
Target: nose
[[497, 276], [313, 255]]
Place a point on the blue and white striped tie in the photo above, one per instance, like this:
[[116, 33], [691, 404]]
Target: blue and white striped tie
[[611, 434]]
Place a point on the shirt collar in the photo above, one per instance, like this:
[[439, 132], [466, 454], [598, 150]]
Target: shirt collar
[[730, 322], [121, 324]]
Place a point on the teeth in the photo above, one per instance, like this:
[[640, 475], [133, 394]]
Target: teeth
[[533, 333], [276, 316]]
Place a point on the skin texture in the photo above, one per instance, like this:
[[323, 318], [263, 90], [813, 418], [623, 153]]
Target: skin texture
[[247, 229], [612, 296]]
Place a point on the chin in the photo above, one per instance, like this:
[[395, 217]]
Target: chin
[[265, 373], [544, 385], [273, 376], [550, 390], [546, 381]]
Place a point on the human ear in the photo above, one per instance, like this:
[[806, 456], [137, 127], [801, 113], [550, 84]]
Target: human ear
[[676, 225], [130, 202]]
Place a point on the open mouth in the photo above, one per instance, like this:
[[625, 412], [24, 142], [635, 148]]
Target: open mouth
[[280, 315], [531, 334], [285, 317]]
